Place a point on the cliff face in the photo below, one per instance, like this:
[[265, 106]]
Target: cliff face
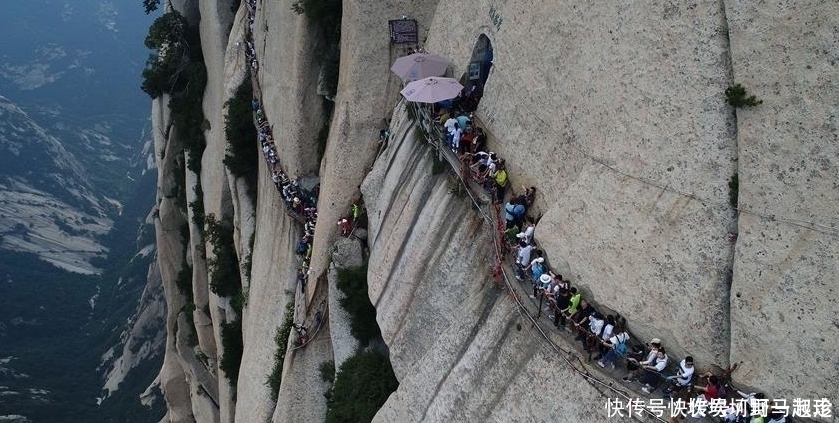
[[616, 113], [786, 254]]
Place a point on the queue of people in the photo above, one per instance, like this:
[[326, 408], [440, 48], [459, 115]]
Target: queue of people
[[603, 336]]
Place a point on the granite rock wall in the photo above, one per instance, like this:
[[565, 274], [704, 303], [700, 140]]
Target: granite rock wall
[[616, 112]]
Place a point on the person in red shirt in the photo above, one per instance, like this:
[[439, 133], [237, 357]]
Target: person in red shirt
[[712, 390]]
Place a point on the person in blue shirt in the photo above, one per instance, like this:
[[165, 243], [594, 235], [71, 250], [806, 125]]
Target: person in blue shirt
[[513, 211]]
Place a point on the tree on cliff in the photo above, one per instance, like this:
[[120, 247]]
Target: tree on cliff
[[151, 5], [177, 51]]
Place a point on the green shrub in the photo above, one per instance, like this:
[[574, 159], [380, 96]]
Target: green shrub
[[197, 206], [192, 333], [327, 371], [184, 280], [247, 262], [239, 301], [274, 380], [188, 115], [233, 345], [353, 283], [362, 386], [177, 68], [151, 5], [737, 96], [223, 267], [167, 36], [242, 154]]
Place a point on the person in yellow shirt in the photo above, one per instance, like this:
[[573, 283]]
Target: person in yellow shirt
[[500, 182]]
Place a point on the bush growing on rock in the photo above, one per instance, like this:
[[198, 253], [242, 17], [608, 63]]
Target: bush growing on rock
[[737, 96], [362, 386], [281, 339], [363, 325], [223, 267], [233, 345], [241, 157]]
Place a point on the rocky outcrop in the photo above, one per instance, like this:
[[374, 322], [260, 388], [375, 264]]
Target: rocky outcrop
[[630, 154], [366, 94], [143, 338], [459, 346], [170, 247]]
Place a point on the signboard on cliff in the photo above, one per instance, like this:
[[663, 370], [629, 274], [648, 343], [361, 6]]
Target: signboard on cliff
[[403, 31]]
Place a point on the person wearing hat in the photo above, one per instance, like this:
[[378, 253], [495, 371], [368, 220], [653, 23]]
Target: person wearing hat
[[634, 366], [546, 284]]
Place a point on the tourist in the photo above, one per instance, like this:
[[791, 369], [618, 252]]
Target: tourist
[[528, 229], [301, 279], [653, 371], [523, 259], [617, 347], [683, 377], [450, 125], [463, 121], [560, 304], [634, 366], [346, 227], [512, 212], [500, 183], [456, 134]]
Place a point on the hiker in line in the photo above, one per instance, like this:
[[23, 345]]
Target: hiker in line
[[617, 345], [634, 366], [653, 371]]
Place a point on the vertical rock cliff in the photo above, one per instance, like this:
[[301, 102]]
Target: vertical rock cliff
[[616, 112]]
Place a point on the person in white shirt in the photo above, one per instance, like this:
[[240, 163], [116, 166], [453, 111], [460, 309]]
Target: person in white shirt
[[523, 259], [622, 337], [608, 329], [683, 377], [450, 124], [456, 134], [529, 228], [654, 370], [634, 366]]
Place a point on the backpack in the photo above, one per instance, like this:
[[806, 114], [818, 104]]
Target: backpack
[[537, 269], [621, 347]]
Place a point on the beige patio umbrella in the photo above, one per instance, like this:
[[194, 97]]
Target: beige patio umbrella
[[431, 89], [419, 65]]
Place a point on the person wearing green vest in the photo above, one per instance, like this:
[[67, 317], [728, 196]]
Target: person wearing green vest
[[573, 304], [500, 182], [356, 213]]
